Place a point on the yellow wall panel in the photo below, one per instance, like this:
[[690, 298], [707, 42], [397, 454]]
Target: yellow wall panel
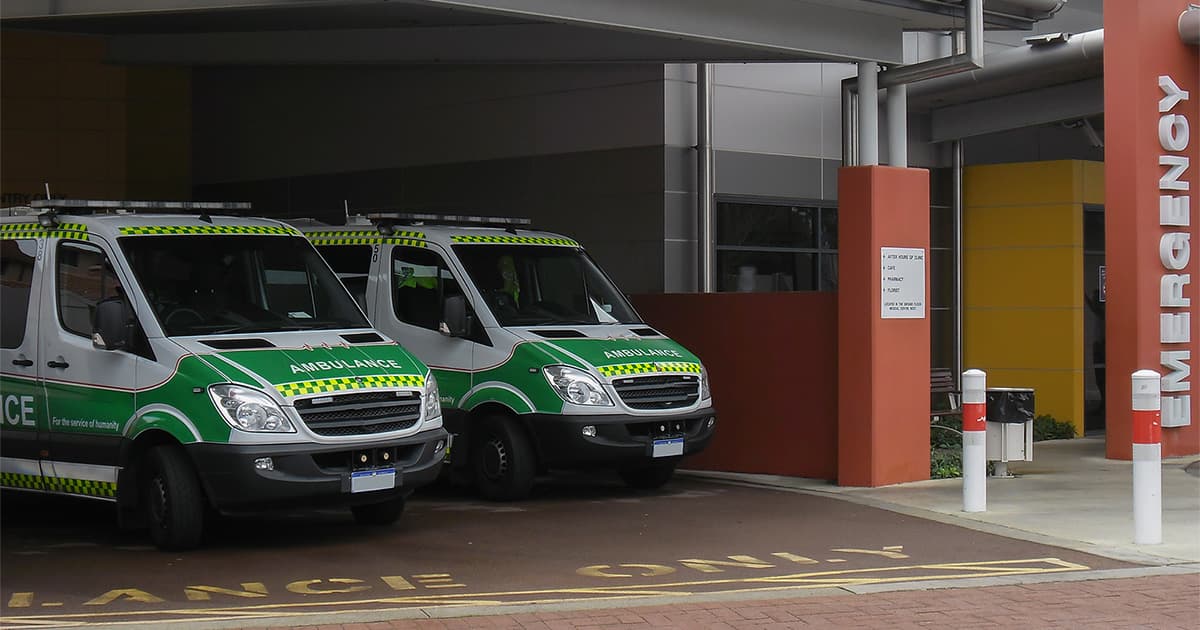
[[1024, 338], [1093, 183], [28, 113], [1023, 278], [28, 78], [90, 79], [1053, 225], [1022, 184], [25, 154], [88, 128]]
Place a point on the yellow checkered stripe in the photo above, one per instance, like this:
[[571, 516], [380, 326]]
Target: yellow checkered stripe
[[33, 230], [513, 240], [173, 230], [24, 482], [625, 369], [85, 487], [367, 238], [325, 385]]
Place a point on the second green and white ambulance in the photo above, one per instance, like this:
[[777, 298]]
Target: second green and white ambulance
[[542, 362], [185, 364]]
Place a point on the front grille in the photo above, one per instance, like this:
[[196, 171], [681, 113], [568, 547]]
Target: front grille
[[363, 413], [658, 392]]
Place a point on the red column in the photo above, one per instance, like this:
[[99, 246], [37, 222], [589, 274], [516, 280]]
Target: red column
[[1152, 210], [883, 363]]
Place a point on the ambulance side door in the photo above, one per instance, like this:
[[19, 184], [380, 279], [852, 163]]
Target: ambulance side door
[[411, 306], [89, 391], [24, 431]]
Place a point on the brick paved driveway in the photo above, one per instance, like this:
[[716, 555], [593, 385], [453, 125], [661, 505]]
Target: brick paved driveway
[[1160, 602]]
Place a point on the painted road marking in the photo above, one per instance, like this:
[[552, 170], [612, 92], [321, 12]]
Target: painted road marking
[[804, 580]]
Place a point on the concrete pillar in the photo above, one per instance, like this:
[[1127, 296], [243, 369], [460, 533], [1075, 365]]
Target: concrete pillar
[[883, 361]]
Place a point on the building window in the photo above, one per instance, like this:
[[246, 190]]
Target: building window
[[763, 246]]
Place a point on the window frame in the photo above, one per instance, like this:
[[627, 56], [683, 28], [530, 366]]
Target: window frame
[[821, 254], [29, 297], [58, 283]]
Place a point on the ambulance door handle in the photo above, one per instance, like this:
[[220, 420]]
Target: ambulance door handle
[[22, 362], [58, 364]]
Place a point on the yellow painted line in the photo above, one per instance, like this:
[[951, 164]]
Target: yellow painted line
[[815, 579]]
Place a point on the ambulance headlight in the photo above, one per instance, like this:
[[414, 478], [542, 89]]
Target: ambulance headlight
[[576, 386], [705, 392], [430, 400], [249, 409]]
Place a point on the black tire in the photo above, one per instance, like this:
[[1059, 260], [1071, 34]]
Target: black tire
[[648, 477], [378, 514], [502, 459], [172, 499]]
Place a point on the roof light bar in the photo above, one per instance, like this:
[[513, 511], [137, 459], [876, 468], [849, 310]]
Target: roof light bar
[[446, 219], [96, 204]]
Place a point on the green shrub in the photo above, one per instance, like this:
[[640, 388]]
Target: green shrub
[[945, 463], [1046, 427]]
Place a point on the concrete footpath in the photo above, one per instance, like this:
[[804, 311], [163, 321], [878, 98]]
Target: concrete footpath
[[1070, 496]]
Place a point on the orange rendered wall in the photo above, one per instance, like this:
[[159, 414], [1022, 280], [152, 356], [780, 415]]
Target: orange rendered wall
[[772, 358], [883, 364], [1142, 47]]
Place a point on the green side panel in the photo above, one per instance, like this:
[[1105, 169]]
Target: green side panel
[[523, 371], [161, 420], [24, 404], [177, 399], [88, 410], [500, 395], [452, 385]]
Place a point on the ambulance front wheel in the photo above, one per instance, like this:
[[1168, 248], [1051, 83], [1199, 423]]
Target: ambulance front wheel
[[172, 498], [378, 514], [503, 459], [648, 477]]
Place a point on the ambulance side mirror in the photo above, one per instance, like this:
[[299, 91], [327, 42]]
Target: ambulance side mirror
[[454, 316], [110, 330]]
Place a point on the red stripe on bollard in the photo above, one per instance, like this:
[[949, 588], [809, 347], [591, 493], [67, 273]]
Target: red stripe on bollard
[[1147, 427], [974, 416]]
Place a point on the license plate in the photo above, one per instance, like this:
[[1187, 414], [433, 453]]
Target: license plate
[[668, 448], [370, 480]]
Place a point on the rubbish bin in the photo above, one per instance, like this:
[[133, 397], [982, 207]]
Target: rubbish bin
[[1009, 427]]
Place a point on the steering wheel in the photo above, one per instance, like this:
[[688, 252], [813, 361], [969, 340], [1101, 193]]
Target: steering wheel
[[184, 312]]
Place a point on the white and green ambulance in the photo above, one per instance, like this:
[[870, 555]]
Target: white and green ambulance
[[184, 364], [542, 362]]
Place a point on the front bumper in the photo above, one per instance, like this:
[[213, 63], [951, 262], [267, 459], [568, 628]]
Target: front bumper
[[620, 440], [314, 475]]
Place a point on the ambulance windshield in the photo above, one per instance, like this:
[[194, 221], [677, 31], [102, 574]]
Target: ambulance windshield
[[533, 285], [210, 284]]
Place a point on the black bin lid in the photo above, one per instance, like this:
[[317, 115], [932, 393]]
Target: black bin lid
[[1009, 404]]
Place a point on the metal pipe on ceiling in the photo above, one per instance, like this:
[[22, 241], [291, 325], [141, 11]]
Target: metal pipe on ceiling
[[1024, 63], [1189, 25], [970, 58]]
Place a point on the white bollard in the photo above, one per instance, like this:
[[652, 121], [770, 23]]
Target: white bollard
[[974, 417], [1147, 458]]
